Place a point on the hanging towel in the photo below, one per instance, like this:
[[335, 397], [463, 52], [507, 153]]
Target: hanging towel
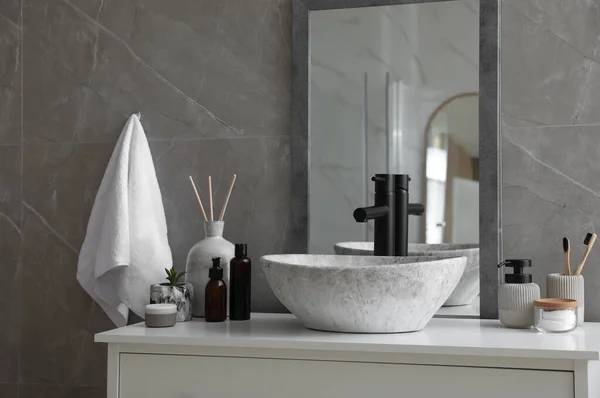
[[126, 248]]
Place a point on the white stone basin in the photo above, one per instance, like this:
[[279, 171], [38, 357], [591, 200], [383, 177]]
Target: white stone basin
[[362, 294], [468, 286]]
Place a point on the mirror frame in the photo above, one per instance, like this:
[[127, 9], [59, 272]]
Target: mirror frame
[[490, 172]]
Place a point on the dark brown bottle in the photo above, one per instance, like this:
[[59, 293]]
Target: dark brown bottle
[[240, 276], [215, 304]]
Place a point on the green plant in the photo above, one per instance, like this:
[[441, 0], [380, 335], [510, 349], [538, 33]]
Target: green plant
[[173, 276]]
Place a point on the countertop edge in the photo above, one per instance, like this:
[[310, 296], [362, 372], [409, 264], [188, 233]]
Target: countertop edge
[[501, 352]]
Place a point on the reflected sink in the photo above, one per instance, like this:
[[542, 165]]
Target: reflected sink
[[362, 294], [468, 286]]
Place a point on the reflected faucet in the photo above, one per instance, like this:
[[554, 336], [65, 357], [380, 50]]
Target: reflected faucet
[[390, 213]]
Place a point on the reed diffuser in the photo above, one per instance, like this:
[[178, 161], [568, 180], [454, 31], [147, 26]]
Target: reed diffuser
[[199, 259]]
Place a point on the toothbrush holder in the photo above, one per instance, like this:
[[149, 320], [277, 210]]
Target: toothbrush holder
[[568, 287]]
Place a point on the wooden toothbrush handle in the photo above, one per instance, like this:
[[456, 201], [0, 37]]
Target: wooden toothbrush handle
[[587, 253], [567, 263]]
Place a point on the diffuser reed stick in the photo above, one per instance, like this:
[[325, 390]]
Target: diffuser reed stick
[[211, 198], [227, 198], [198, 198]]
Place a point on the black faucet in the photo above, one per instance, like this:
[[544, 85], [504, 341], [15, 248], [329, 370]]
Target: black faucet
[[390, 213]]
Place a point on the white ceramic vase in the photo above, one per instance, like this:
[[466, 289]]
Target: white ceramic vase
[[199, 261]]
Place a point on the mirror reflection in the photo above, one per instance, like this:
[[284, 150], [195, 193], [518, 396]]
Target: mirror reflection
[[394, 90]]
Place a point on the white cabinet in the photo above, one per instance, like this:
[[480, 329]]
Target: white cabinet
[[181, 376], [273, 356]]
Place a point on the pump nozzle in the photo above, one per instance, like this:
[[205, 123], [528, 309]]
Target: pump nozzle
[[517, 276]]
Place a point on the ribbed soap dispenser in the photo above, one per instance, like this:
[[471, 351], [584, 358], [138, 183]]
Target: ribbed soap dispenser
[[516, 296]]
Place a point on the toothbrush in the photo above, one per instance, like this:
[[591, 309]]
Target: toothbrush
[[589, 241], [567, 249]]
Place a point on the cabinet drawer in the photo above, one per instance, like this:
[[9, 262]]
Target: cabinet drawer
[[175, 376]]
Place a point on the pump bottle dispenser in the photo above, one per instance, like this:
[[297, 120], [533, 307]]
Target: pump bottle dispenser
[[216, 294], [516, 296]]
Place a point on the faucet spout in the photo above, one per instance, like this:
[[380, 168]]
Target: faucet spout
[[390, 213], [364, 214], [416, 209]]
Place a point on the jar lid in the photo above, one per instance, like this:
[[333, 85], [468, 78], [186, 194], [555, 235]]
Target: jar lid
[[555, 304], [161, 309]]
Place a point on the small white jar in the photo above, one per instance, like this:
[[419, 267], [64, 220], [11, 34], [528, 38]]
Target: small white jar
[[568, 287], [161, 315], [555, 315]]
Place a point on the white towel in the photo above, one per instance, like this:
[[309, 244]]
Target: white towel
[[126, 248]]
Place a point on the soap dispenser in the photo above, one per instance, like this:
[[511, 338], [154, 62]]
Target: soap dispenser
[[516, 296]]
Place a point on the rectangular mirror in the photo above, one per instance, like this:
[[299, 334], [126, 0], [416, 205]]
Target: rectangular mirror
[[396, 88]]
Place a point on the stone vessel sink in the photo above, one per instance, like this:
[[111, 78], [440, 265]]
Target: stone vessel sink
[[362, 294], [468, 286]]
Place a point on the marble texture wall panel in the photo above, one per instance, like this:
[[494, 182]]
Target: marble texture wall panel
[[58, 318], [258, 213], [50, 391], [550, 62], [10, 72], [212, 81], [60, 183], [10, 193], [550, 193], [10, 261], [11, 10], [184, 77], [551, 124], [9, 390]]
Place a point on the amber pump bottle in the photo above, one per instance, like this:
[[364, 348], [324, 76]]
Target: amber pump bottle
[[239, 281], [215, 309]]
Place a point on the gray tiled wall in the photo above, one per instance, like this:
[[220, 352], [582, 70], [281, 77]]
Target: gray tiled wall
[[212, 81], [551, 134]]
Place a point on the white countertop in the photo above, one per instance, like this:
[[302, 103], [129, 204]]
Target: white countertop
[[462, 311], [440, 337]]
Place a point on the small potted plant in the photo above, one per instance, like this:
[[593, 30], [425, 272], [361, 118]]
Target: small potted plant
[[174, 292]]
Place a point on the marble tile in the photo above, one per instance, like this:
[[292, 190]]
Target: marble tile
[[229, 56], [60, 103], [187, 84], [258, 212], [550, 62], [10, 10], [198, 70], [59, 186], [59, 319], [54, 391], [10, 244], [577, 23], [10, 72], [10, 186], [9, 391], [548, 193], [60, 182]]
